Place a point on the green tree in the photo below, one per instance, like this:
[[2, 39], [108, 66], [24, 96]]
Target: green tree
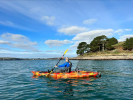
[[128, 45], [110, 42], [98, 43], [83, 47]]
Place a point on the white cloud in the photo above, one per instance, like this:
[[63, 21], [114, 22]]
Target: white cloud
[[89, 21], [11, 24], [48, 20], [124, 37], [19, 41], [25, 46], [88, 36], [52, 43], [119, 31], [15, 37], [73, 30], [128, 29], [4, 42]]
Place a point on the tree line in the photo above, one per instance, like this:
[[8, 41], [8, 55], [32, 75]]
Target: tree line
[[102, 43], [128, 45]]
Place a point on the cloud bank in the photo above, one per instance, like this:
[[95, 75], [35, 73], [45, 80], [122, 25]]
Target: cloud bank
[[18, 41], [4, 42]]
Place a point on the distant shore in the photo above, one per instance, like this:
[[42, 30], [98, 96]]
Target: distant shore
[[107, 57], [93, 57], [9, 58]]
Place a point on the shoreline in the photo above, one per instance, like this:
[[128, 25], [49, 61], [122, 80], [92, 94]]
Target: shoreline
[[92, 57], [106, 57]]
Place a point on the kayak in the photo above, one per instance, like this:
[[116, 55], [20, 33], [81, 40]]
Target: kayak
[[72, 74]]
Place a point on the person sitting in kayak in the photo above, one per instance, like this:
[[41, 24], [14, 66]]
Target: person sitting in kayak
[[67, 66]]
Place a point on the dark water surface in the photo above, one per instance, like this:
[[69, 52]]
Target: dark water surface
[[116, 83]]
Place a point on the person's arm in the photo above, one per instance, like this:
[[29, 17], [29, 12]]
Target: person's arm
[[68, 65], [63, 65]]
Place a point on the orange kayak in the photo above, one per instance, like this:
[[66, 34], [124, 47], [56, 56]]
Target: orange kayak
[[72, 74]]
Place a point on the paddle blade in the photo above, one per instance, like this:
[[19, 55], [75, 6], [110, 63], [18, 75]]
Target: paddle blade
[[65, 52]]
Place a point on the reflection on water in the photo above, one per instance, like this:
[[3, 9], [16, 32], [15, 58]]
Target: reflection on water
[[67, 88]]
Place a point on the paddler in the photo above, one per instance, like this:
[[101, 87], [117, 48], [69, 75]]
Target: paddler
[[67, 66]]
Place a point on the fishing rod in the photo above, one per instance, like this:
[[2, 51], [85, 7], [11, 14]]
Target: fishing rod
[[77, 69]]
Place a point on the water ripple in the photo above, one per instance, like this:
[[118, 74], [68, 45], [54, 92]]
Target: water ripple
[[16, 81]]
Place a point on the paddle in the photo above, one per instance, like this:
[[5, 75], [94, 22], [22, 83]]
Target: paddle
[[56, 64]]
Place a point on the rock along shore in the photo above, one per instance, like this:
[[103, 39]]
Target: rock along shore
[[120, 57]]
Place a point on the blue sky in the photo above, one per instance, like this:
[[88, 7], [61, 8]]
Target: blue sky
[[43, 28]]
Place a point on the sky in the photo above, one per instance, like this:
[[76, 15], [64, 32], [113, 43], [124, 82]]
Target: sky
[[46, 28]]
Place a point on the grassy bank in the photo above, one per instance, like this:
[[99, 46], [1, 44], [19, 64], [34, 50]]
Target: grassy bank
[[108, 53]]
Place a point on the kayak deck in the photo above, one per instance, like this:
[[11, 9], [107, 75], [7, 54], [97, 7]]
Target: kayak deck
[[72, 74]]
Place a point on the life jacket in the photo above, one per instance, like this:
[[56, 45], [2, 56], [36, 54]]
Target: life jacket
[[68, 69]]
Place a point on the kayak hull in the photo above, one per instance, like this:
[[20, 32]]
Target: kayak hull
[[72, 74]]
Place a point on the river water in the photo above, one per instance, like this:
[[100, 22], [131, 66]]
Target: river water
[[17, 82]]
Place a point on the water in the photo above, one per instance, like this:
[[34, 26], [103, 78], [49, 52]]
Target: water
[[16, 81]]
